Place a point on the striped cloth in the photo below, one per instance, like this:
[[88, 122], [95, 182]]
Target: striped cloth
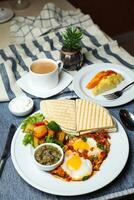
[[15, 59]]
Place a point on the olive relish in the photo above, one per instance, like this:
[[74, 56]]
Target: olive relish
[[47, 155]]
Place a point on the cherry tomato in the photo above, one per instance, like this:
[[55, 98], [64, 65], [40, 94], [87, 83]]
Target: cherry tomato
[[39, 124]]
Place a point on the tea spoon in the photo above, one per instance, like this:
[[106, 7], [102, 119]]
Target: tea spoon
[[127, 118]]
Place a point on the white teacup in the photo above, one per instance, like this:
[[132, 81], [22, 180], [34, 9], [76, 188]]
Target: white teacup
[[44, 74]]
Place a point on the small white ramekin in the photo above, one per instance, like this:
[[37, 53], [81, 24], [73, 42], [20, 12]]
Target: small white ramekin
[[24, 112], [48, 167]]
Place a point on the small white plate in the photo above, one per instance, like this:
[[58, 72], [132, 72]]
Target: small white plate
[[5, 14], [21, 106], [87, 73], [65, 80], [111, 167]]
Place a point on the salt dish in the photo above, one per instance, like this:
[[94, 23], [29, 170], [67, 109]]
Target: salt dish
[[21, 106]]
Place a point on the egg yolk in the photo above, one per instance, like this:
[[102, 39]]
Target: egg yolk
[[74, 162], [80, 144]]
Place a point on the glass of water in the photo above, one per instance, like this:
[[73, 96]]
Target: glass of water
[[20, 4]]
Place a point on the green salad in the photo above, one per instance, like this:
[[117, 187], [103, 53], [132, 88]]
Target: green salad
[[38, 130]]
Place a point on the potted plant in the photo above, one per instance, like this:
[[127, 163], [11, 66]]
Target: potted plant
[[71, 51]]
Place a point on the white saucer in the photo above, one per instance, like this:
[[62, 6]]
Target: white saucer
[[5, 14], [65, 80]]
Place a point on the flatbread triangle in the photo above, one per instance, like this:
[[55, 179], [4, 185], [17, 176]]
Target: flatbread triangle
[[61, 111], [78, 117]]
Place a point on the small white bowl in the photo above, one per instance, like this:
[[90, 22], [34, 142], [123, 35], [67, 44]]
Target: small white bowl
[[48, 167], [16, 106]]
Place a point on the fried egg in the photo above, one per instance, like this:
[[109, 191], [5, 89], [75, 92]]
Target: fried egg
[[89, 144], [75, 166]]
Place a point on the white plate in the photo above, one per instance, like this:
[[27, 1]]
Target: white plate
[[65, 80], [87, 73], [5, 14], [110, 168]]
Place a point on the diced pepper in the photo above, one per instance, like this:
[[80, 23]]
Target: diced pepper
[[39, 123], [61, 136], [103, 154], [46, 122], [40, 131], [35, 141], [54, 126], [51, 132], [29, 128], [41, 141]]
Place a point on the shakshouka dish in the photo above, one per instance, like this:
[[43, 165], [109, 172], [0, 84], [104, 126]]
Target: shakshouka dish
[[86, 145]]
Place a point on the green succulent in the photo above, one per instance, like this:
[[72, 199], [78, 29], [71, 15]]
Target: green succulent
[[72, 38]]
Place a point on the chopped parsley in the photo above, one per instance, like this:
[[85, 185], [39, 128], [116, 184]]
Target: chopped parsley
[[85, 178], [84, 139], [100, 146]]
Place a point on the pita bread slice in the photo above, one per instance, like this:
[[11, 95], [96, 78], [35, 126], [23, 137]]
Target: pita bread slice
[[61, 111], [70, 132], [92, 117]]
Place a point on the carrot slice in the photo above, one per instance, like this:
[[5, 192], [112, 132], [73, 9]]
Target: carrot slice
[[95, 80], [93, 83]]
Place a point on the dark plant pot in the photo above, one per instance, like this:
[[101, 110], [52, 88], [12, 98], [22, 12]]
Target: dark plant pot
[[72, 60]]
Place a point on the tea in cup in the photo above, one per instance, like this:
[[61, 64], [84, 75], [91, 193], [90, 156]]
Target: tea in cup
[[44, 73]]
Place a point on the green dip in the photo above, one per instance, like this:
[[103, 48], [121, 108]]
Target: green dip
[[47, 155]]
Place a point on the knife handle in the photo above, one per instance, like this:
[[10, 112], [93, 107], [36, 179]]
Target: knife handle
[[2, 164]]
